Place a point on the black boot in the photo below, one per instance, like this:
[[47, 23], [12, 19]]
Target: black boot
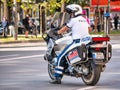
[[56, 81]]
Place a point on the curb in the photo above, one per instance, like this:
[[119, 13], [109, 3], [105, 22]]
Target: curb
[[23, 41], [114, 34]]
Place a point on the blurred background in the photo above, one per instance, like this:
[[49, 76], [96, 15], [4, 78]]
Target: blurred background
[[101, 14]]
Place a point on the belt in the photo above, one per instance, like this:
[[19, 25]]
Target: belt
[[76, 40]]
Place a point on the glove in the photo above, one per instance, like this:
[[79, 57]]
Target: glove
[[55, 32]]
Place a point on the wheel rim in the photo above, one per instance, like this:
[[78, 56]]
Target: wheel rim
[[51, 71], [89, 77]]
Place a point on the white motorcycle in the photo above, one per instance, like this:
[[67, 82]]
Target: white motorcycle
[[86, 61]]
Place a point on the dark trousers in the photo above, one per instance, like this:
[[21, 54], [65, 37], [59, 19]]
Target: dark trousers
[[99, 28], [116, 25], [5, 31]]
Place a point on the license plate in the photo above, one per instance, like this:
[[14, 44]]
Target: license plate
[[98, 55]]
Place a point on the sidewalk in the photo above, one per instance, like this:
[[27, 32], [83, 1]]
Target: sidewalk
[[22, 42]]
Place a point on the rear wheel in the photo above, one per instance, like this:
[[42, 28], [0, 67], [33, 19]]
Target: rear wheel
[[93, 76]]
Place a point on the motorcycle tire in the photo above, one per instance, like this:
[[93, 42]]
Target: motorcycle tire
[[51, 70], [93, 76]]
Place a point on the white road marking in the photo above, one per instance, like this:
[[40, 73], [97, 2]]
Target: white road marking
[[86, 88], [24, 57], [23, 44], [9, 55], [116, 46], [24, 49], [113, 73]]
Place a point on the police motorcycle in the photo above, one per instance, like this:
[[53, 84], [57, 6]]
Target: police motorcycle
[[86, 61]]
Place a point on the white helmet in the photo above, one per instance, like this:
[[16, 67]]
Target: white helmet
[[74, 8]]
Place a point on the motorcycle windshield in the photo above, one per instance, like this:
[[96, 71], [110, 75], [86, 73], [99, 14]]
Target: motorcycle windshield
[[59, 19]]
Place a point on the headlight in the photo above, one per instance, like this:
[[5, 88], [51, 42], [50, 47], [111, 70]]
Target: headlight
[[45, 37]]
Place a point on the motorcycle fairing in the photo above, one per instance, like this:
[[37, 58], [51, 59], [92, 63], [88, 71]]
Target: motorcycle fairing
[[85, 40], [64, 40]]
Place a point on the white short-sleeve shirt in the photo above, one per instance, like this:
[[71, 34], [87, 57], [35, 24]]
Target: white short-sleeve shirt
[[79, 27]]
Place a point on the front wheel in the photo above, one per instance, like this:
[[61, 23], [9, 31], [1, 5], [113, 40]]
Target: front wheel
[[51, 70], [93, 76]]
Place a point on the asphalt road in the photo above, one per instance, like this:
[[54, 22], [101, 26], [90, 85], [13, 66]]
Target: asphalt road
[[22, 67]]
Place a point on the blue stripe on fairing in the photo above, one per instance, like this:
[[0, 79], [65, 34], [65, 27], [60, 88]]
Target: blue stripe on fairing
[[63, 52]]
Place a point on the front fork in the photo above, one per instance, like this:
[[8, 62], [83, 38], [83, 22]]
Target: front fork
[[48, 54], [50, 46]]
